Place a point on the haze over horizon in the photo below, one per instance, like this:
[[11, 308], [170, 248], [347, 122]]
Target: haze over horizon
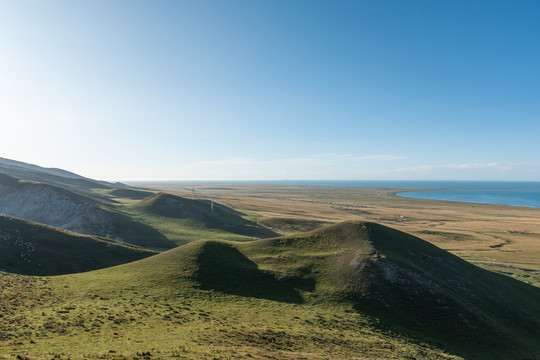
[[255, 90]]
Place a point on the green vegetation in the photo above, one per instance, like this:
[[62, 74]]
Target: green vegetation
[[287, 226], [183, 220], [352, 290]]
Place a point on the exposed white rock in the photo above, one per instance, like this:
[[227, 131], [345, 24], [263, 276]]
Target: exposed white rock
[[49, 205]]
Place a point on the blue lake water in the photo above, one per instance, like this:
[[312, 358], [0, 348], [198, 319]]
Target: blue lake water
[[513, 197]]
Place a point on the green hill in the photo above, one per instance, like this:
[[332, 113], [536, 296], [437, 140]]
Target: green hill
[[351, 290], [185, 214], [36, 249], [411, 287]]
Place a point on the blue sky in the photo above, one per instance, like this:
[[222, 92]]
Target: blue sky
[[246, 90]]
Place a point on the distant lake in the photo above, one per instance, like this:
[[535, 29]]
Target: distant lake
[[514, 193], [513, 197], [441, 184]]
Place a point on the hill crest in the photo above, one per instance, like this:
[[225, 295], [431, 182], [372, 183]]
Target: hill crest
[[52, 176]]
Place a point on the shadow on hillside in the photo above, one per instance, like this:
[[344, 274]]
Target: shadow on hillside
[[140, 234], [459, 322], [224, 208], [223, 268]]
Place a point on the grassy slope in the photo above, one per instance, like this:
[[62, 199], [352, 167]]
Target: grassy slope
[[184, 220], [56, 177], [331, 293], [36, 249], [289, 226], [412, 287]]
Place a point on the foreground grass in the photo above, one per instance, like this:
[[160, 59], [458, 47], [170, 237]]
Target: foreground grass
[[350, 291], [183, 304], [81, 322]]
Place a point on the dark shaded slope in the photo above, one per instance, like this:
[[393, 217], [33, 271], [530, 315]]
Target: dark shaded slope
[[199, 213], [420, 289], [222, 267], [34, 249]]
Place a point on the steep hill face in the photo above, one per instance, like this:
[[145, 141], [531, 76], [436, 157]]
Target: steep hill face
[[199, 213], [73, 211], [52, 206], [34, 249], [411, 286]]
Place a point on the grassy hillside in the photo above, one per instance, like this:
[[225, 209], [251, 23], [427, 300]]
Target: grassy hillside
[[289, 226], [184, 220], [349, 291], [155, 221], [35, 249], [51, 176], [79, 212], [412, 287]]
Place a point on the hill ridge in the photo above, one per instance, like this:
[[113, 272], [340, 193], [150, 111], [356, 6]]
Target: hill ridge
[[52, 176]]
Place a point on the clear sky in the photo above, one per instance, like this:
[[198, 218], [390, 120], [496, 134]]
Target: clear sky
[[276, 89]]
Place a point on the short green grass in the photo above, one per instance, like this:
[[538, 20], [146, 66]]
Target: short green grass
[[138, 322], [287, 226]]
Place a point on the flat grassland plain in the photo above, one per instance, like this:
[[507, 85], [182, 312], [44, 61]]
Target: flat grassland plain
[[500, 238]]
